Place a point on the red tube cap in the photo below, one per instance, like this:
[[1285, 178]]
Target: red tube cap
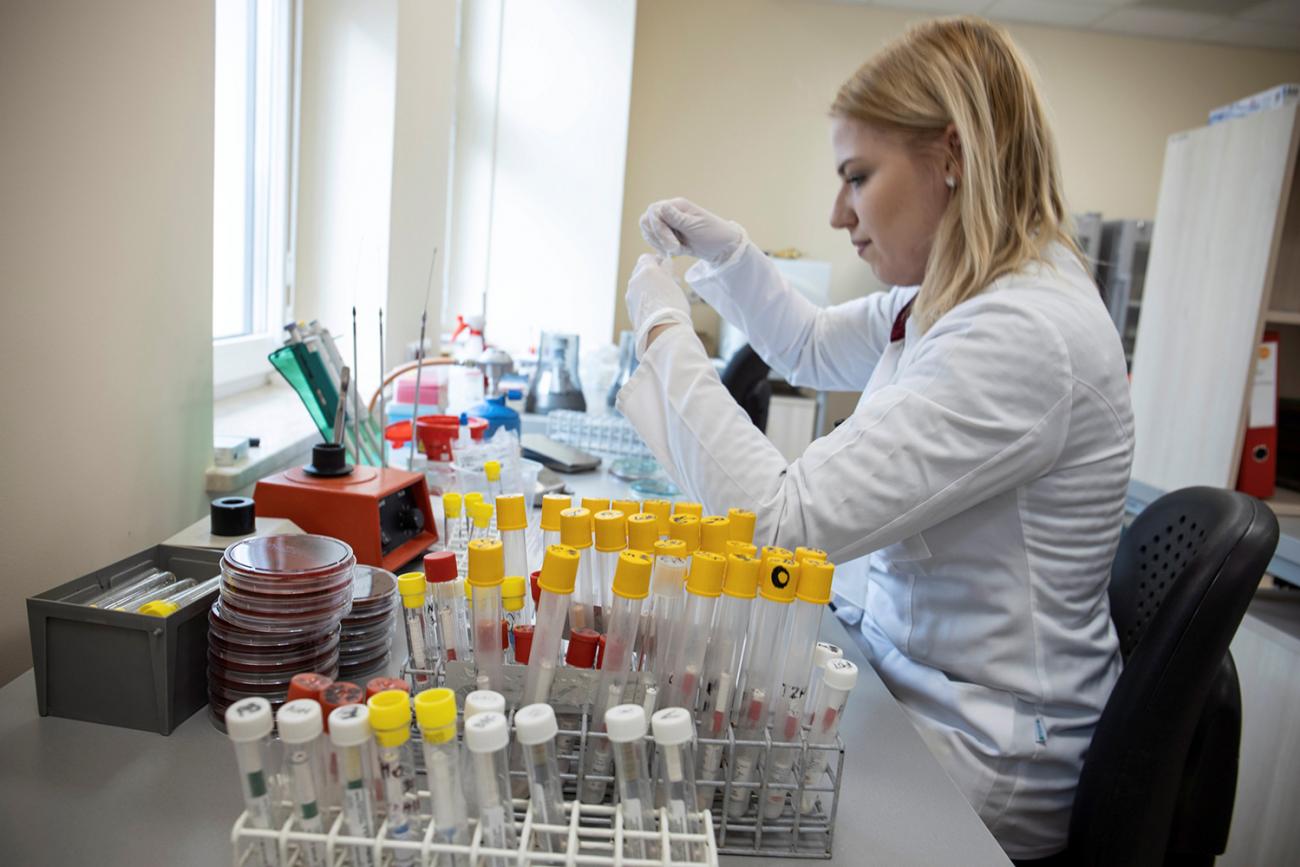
[[308, 685], [536, 587], [600, 651], [337, 694], [523, 644], [582, 648], [379, 684], [440, 566], [505, 635]]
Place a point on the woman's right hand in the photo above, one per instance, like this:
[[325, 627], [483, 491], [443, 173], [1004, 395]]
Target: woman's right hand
[[679, 227]]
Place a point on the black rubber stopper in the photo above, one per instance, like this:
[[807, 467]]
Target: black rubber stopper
[[328, 460], [233, 516]]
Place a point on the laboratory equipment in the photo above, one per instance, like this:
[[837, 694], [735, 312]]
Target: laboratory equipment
[[575, 533], [483, 701], [420, 639], [136, 600], [838, 681], [472, 499], [801, 553], [723, 661], [666, 592], [444, 598], [594, 504], [626, 727], [492, 471], [419, 354], [552, 506], [631, 586], [512, 523], [486, 572], [556, 456], [559, 569], [376, 685], [611, 538], [790, 683], [674, 732], [383, 514], [715, 533], [686, 507], [691, 635], [535, 729], [555, 383], [180, 597], [481, 515], [308, 684], [823, 653], [686, 529], [744, 549], [662, 510], [486, 737], [642, 533], [390, 720], [300, 726], [1121, 274], [514, 609], [146, 580], [365, 637], [435, 713], [453, 536], [349, 728], [249, 723]]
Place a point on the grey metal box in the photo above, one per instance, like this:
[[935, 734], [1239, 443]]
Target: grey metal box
[[121, 668]]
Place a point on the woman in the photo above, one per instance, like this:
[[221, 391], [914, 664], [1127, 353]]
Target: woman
[[985, 467]]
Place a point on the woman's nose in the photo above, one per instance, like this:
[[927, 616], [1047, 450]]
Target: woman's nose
[[842, 216]]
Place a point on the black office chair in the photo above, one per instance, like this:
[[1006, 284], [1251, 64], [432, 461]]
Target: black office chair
[[1160, 777], [745, 376]]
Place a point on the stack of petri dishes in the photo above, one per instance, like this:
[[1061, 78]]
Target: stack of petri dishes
[[282, 601], [368, 631]]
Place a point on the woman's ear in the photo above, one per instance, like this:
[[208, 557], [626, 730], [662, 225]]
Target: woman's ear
[[952, 160]]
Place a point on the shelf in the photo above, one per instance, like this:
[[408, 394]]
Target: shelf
[[1285, 502], [1282, 317]]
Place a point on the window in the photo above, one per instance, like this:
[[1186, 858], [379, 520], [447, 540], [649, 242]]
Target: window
[[253, 178]]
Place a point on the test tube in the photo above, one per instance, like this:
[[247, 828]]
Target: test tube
[[435, 712], [477, 702], [611, 538], [723, 661], [512, 605], [594, 504], [444, 601], [552, 506], [248, 723], [686, 507], [666, 579], [390, 720], [662, 511], [350, 734], [642, 533], [790, 681], [575, 532], [626, 725], [627, 507], [674, 733], [453, 524], [418, 633], [743, 548], [471, 499], [492, 469], [182, 597], [631, 586], [715, 533], [144, 580], [823, 653], [777, 582], [690, 638], [512, 524], [481, 516], [535, 729], [559, 569], [300, 726], [686, 528], [135, 600], [838, 681], [486, 737], [486, 572], [742, 525]]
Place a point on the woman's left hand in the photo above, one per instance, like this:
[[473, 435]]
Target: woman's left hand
[[654, 298]]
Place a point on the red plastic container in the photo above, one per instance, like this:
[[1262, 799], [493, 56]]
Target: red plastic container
[[437, 433]]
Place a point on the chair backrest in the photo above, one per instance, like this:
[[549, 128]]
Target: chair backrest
[[1183, 576]]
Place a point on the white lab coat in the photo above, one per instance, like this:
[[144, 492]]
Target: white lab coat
[[984, 472]]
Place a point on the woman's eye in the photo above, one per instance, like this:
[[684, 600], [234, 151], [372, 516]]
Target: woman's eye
[[856, 181]]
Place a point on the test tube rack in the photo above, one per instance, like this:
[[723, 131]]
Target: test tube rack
[[793, 834], [594, 836], [605, 435]]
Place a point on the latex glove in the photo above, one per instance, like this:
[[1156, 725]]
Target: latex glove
[[679, 227], [654, 298]]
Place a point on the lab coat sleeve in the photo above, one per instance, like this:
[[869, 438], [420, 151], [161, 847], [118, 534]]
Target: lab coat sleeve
[[981, 408], [835, 348]]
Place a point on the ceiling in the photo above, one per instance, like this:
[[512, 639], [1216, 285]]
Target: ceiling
[[1257, 23]]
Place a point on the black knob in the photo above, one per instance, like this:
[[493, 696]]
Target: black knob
[[410, 518]]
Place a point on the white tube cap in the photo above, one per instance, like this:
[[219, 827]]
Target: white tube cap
[[840, 674], [487, 732], [625, 723], [535, 724], [350, 725], [300, 721], [484, 701], [249, 719], [673, 726], [824, 652]]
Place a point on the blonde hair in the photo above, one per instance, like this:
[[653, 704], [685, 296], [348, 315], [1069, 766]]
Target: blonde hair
[[1008, 207]]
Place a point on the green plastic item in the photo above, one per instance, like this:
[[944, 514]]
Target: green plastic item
[[307, 375]]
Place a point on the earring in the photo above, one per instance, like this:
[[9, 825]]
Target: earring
[[951, 182]]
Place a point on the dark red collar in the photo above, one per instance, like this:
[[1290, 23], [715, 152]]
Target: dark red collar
[[899, 330]]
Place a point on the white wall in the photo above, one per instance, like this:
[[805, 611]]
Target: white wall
[[106, 274]]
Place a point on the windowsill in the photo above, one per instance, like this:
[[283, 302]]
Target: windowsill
[[274, 414]]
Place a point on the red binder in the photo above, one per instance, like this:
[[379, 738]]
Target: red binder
[[1258, 473]]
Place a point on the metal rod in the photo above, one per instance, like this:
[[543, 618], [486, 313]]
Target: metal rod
[[344, 379], [383, 372], [356, 413], [419, 356]]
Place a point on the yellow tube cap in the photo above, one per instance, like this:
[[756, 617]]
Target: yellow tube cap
[[735, 546], [742, 524], [410, 586], [473, 497], [451, 503], [707, 571], [435, 711], [670, 548], [715, 533], [686, 529], [778, 579], [512, 512], [661, 509], [815, 581], [594, 504], [627, 507], [575, 528], [512, 593], [801, 554], [552, 506], [559, 569], [632, 575], [642, 532], [390, 717], [157, 608], [611, 530], [742, 576], [492, 469], [769, 551], [487, 562], [688, 508], [481, 514]]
